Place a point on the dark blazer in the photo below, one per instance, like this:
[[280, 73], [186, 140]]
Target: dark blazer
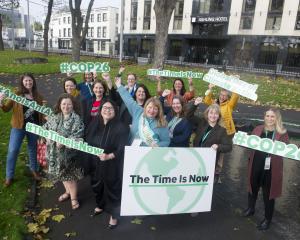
[[217, 135], [276, 165], [85, 92]]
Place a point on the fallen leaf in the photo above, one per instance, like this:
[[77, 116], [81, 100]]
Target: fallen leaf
[[32, 227], [71, 234], [58, 218], [137, 221], [153, 228], [46, 184]]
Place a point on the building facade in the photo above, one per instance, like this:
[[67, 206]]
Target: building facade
[[243, 33], [102, 32]]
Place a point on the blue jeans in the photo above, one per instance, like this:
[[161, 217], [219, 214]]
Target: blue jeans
[[15, 141]]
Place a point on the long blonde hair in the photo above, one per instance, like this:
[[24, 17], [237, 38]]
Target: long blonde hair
[[161, 121], [278, 121]]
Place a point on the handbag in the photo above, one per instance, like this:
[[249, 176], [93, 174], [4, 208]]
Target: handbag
[[41, 154]]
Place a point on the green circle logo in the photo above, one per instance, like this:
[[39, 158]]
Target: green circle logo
[[163, 162]]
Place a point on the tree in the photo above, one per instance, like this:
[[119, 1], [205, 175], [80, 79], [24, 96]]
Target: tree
[[6, 4], [163, 11], [46, 27], [78, 30], [37, 26]]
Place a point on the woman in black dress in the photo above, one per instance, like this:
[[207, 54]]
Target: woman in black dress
[[112, 135]]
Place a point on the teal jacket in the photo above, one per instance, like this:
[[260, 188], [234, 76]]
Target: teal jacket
[[136, 112]]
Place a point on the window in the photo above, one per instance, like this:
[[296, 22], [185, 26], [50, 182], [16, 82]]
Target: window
[[51, 32], [132, 46], [69, 20], [103, 44], [104, 17], [246, 22], [117, 18], [247, 14], [274, 14], [178, 15], [293, 57], [276, 5], [175, 48], [92, 32], [104, 32], [268, 54], [99, 32], [133, 14], [65, 32], [146, 47], [64, 20], [147, 15], [89, 32], [249, 5], [117, 31], [98, 45], [92, 17], [211, 6], [99, 17], [297, 25], [69, 32]]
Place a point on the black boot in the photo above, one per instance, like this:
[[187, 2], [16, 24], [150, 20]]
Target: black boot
[[264, 225], [248, 212]]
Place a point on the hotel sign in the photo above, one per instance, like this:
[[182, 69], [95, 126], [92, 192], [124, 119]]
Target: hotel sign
[[216, 19]]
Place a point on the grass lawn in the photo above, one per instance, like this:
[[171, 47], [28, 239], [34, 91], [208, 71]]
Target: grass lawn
[[12, 199], [283, 93]]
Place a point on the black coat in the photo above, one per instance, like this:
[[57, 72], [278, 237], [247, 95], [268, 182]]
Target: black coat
[[217, 135], [106, 176]]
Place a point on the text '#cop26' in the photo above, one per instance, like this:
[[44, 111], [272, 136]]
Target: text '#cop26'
[[267, 145], [82, 67]]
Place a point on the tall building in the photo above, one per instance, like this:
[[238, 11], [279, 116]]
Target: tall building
[[102, 30], [242, 33]]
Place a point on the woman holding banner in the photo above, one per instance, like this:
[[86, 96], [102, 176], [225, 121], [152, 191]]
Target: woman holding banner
[[20, 116], [149, 127], [180, 129], [178, 90], [227, 104], [61, 160], [208, 131], [266, 170], [110, 134]]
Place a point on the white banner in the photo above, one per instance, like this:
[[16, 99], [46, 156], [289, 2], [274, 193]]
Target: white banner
[[167, 180], [231, 83]]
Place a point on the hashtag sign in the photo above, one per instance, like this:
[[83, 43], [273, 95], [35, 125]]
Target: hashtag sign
[[240, 138], [64, 67]]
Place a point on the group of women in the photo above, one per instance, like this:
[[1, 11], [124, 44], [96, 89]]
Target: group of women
[[111, 117]]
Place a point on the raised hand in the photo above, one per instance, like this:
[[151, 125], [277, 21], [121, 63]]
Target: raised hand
[[118, 81], [198, 100], [210, 86], [190, 81], [166, 92]]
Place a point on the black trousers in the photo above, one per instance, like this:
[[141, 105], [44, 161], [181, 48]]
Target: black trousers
[[261, 178]]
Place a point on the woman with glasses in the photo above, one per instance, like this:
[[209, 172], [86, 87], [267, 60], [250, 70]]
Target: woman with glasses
[[111, 135]]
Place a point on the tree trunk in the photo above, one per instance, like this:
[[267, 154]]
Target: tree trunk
[[163, 11], [1, 39], [78, 31], [46, 27]]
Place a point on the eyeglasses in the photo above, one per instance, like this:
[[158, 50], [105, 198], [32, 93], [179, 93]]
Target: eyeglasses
[[111, 109]]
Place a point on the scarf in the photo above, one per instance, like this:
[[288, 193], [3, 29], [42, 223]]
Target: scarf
[[146, 134], [172, 124]]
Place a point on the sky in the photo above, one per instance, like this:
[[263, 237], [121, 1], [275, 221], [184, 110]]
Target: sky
[[38, 8]]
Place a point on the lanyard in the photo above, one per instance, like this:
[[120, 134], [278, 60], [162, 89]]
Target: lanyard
[[273, 135], [89, 87], [204, 137]]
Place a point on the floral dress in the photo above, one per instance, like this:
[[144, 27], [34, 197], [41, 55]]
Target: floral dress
[[62, 165]]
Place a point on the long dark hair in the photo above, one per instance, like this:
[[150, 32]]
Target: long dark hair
[[182, 91], [146, 93], [182, 102], [23, 90], [57, 108], [114, 105]]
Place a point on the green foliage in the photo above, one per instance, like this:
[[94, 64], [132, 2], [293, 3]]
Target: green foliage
[[12, 199], [38, 26]]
